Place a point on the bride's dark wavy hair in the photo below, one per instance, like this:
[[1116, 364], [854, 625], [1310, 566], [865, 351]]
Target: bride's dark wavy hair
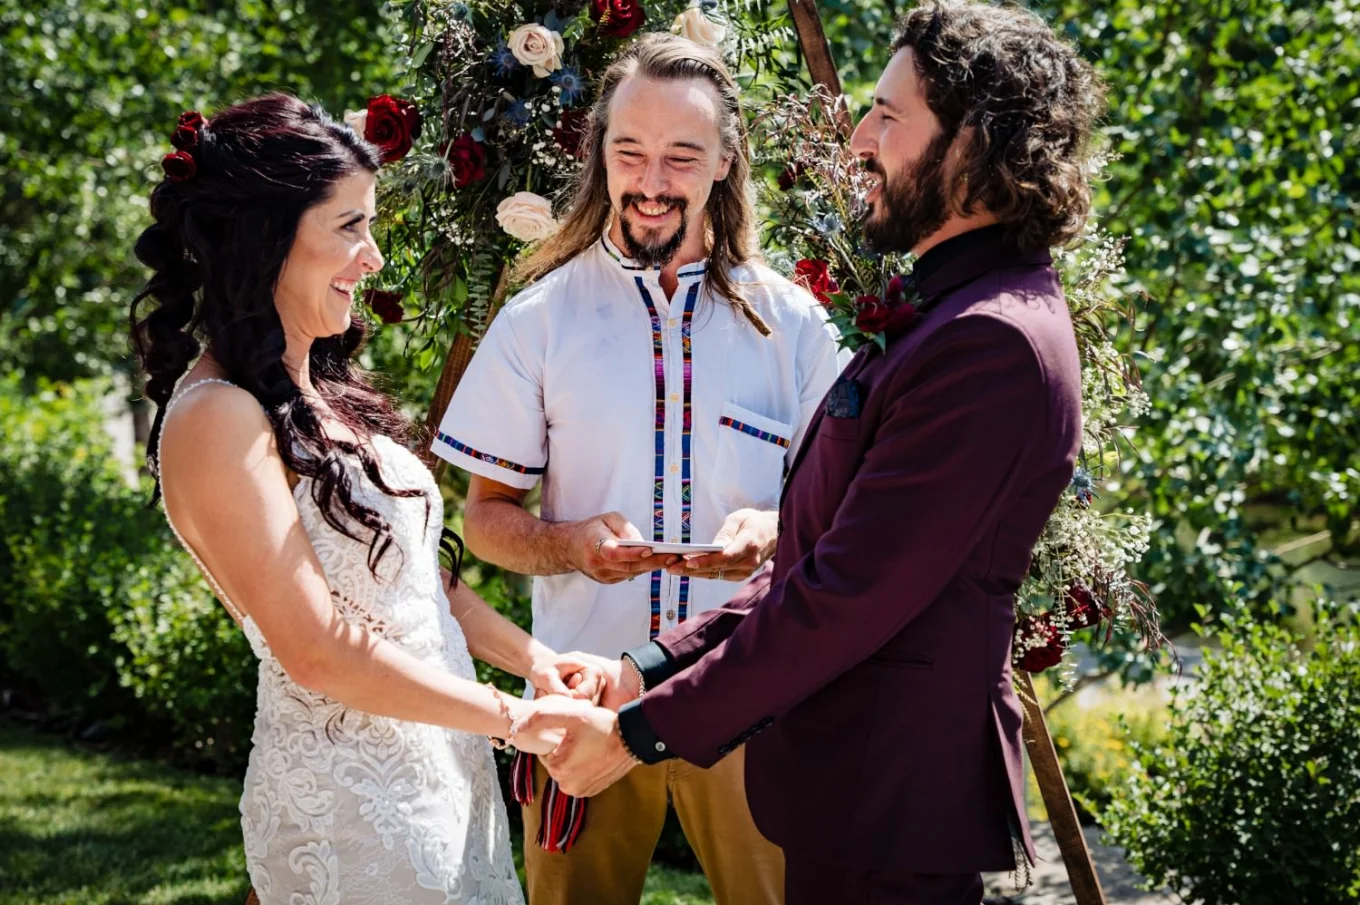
[[216, 249]]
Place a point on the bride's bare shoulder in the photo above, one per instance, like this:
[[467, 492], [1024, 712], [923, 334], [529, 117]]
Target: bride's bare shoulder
[[215, 427]]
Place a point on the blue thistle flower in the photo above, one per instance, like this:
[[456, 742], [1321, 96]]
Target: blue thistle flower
[[503, 62], [829, 224], [572, 85], [517, 114], [1084, 486]]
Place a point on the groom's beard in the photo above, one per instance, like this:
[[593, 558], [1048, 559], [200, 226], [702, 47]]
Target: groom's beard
[[650, 249], [912, 206]]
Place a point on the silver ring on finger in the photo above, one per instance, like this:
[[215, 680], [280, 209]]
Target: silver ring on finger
[[598, 544], [720, 574]]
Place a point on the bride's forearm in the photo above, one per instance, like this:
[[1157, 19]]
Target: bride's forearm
[[491, 637], [366, 673]]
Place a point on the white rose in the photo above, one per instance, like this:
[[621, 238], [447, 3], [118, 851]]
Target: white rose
[[700, 29], [526, 216], [357, 120], [536, 46]]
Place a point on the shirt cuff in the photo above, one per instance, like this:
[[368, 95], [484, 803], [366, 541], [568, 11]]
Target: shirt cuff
[[639, 737], [654, 663]]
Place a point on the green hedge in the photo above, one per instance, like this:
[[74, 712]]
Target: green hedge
[[101, 615], [1254, 796]]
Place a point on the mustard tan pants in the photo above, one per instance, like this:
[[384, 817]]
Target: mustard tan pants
[[608, 864]]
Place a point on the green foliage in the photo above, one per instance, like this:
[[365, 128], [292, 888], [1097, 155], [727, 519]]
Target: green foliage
[[1254, 796], [89, 93], [100, 611], [69, 532], [185, 660], [1233, 121]]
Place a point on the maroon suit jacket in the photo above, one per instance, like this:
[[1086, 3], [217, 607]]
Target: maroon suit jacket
[[870, 666]]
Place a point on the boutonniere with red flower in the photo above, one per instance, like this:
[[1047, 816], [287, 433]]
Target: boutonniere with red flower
[[868, 318]]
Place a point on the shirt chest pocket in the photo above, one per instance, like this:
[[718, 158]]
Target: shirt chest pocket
[[749, 470]]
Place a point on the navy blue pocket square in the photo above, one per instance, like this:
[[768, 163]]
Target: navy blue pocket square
[[845, 399]]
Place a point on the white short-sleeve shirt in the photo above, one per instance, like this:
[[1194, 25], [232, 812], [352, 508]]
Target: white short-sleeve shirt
[[674, 413]]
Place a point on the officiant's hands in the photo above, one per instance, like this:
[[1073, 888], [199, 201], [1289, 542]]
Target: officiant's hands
[[595, 551], [591, 756], [748, 537]]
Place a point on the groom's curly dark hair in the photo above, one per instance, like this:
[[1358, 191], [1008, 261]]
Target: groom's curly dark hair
[[1025, 105]]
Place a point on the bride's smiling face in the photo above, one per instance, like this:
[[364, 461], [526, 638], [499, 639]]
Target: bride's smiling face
[[334, 249]]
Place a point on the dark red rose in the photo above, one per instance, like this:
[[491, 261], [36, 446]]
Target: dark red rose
[[392, 124], [572, 132], [815, 277], [191, 119], [617, 18], [387, 305], [185, 138], [1048, 653], [790, 176], [179, 166], [871, 315], [1083, 610], [467, 160]]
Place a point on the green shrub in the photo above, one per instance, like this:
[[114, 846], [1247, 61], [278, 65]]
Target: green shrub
[[101, 613], [70, 528], [1254, 796], [186, 661]]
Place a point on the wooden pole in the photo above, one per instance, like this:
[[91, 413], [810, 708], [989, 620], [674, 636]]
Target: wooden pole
[[1062, 812]]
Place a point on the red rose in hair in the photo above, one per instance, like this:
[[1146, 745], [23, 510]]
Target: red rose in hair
[[572, 131], [617, 18], [467, 160], [387, 305], [191, 119], [179, 166], [185, 138], [815, 277], [392, 125], [1046, 654]]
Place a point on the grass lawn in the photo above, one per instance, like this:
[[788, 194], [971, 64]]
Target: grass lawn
[[83, 828]]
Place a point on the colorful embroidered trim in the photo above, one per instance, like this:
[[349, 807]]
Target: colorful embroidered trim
[[687, 270], [659, 473], [686, 494], [485, 457], [756, 432]]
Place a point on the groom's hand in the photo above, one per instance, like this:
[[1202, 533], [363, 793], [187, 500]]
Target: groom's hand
[[748, 537], [591, 756], [615, 683]]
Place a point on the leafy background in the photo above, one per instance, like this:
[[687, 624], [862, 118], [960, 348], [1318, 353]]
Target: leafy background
[[1235, 181]]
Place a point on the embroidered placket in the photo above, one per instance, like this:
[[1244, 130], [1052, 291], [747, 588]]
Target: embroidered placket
[[659, 473]]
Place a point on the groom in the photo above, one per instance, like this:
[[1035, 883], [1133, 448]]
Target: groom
[[869, 671]]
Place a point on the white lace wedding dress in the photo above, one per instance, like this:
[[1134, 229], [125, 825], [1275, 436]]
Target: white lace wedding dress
[[344, 807]]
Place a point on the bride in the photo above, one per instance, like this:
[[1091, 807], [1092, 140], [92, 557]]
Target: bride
[[284, 475]]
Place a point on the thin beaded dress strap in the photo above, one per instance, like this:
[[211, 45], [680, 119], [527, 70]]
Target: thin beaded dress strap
[[175, 395]]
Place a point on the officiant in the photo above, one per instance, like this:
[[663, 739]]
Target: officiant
[[657, 379]]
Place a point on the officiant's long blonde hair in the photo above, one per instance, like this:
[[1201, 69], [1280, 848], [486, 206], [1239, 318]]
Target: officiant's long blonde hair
[[731, 213]]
